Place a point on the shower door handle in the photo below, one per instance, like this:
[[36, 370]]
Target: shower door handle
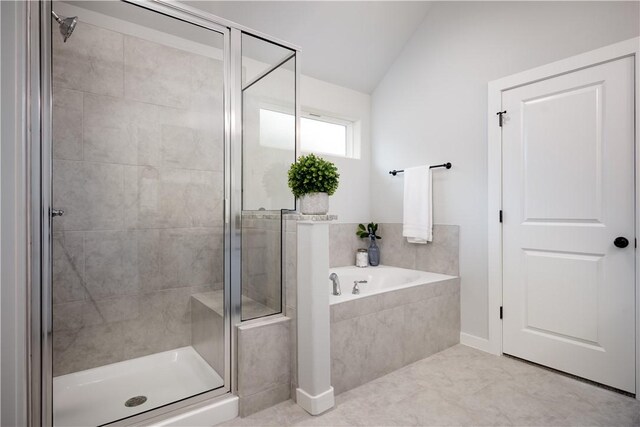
[[56, 212]]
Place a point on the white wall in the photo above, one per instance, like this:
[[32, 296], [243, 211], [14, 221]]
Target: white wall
[[351, 201], [431, 108]]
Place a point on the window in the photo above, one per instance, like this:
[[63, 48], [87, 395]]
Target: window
[[318, 133], [328, 135]]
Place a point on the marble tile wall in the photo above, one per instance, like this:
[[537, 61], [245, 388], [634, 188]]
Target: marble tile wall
[[375, 335], [264, 364], [343, 244], [439, 256], [138, 169]]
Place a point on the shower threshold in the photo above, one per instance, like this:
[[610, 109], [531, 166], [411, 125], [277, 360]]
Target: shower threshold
[[112, 392]]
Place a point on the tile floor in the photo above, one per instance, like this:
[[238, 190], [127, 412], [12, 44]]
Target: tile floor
[[463, 386]]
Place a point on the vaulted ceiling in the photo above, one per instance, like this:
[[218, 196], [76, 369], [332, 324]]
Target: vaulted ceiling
[[348, 43]]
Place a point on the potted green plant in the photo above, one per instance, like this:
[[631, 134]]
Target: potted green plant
[[371, 231], [312, 180]]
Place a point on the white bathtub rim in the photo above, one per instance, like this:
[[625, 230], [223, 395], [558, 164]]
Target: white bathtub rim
[[433, 278]]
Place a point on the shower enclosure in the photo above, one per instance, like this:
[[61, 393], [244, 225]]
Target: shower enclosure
[[165, 139]]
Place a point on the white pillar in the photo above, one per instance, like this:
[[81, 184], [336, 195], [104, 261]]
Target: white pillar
[[314, 392]]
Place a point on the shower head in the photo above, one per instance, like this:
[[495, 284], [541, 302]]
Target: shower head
[[67, 25]]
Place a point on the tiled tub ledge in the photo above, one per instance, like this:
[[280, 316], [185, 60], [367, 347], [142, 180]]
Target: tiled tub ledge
[[374, 335], [302, 217], [290, 215]]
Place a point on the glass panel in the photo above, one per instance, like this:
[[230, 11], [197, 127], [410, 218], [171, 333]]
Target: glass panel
[[138, 256], [268, 147], [259, 57], [275, 129]]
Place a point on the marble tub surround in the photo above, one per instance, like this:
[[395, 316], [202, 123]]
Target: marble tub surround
[[377, 334], [439, 256], [461, 386], [343, 244], [264, 363], [138, 169]]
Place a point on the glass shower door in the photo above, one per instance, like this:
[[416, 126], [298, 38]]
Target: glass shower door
[[138, 268]]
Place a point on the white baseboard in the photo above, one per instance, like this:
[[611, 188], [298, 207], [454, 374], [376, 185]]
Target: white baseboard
[[476, 342], [315, 405]]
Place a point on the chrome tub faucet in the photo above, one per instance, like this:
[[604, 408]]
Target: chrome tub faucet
[[356, 288], [336, 284]]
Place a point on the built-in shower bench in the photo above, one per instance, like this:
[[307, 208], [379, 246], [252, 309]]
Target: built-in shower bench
[[207, 328], [207, 324]]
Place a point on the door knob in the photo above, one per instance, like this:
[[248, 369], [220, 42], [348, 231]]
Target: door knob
[[621, 242], [56, 212]]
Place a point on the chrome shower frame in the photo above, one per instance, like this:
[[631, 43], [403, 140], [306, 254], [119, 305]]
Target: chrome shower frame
[[39, 199]]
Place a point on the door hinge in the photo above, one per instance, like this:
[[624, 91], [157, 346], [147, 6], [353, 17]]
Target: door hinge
[[500, 114], [500, 216], [501, 312], [635, 242]]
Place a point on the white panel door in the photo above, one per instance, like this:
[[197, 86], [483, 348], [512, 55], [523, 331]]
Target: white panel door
[[568, 193]]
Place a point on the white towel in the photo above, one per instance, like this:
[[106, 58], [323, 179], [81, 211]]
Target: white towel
[[418, 214]]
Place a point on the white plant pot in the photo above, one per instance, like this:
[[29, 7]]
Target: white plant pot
[[314, 204]]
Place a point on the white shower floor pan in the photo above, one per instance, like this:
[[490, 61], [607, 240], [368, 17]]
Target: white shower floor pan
[[97, 396]]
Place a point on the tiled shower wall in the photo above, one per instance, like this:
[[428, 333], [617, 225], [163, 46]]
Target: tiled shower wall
[[138, 169]]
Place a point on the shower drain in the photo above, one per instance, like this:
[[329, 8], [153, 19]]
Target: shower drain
[[135, 401]]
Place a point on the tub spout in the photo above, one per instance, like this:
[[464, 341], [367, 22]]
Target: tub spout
[[336, 284]]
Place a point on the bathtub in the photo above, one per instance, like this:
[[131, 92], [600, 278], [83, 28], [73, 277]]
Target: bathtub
[[379, 279], [399, 317]]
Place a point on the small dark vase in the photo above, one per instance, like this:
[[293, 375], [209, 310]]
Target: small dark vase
[[374, 252]]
